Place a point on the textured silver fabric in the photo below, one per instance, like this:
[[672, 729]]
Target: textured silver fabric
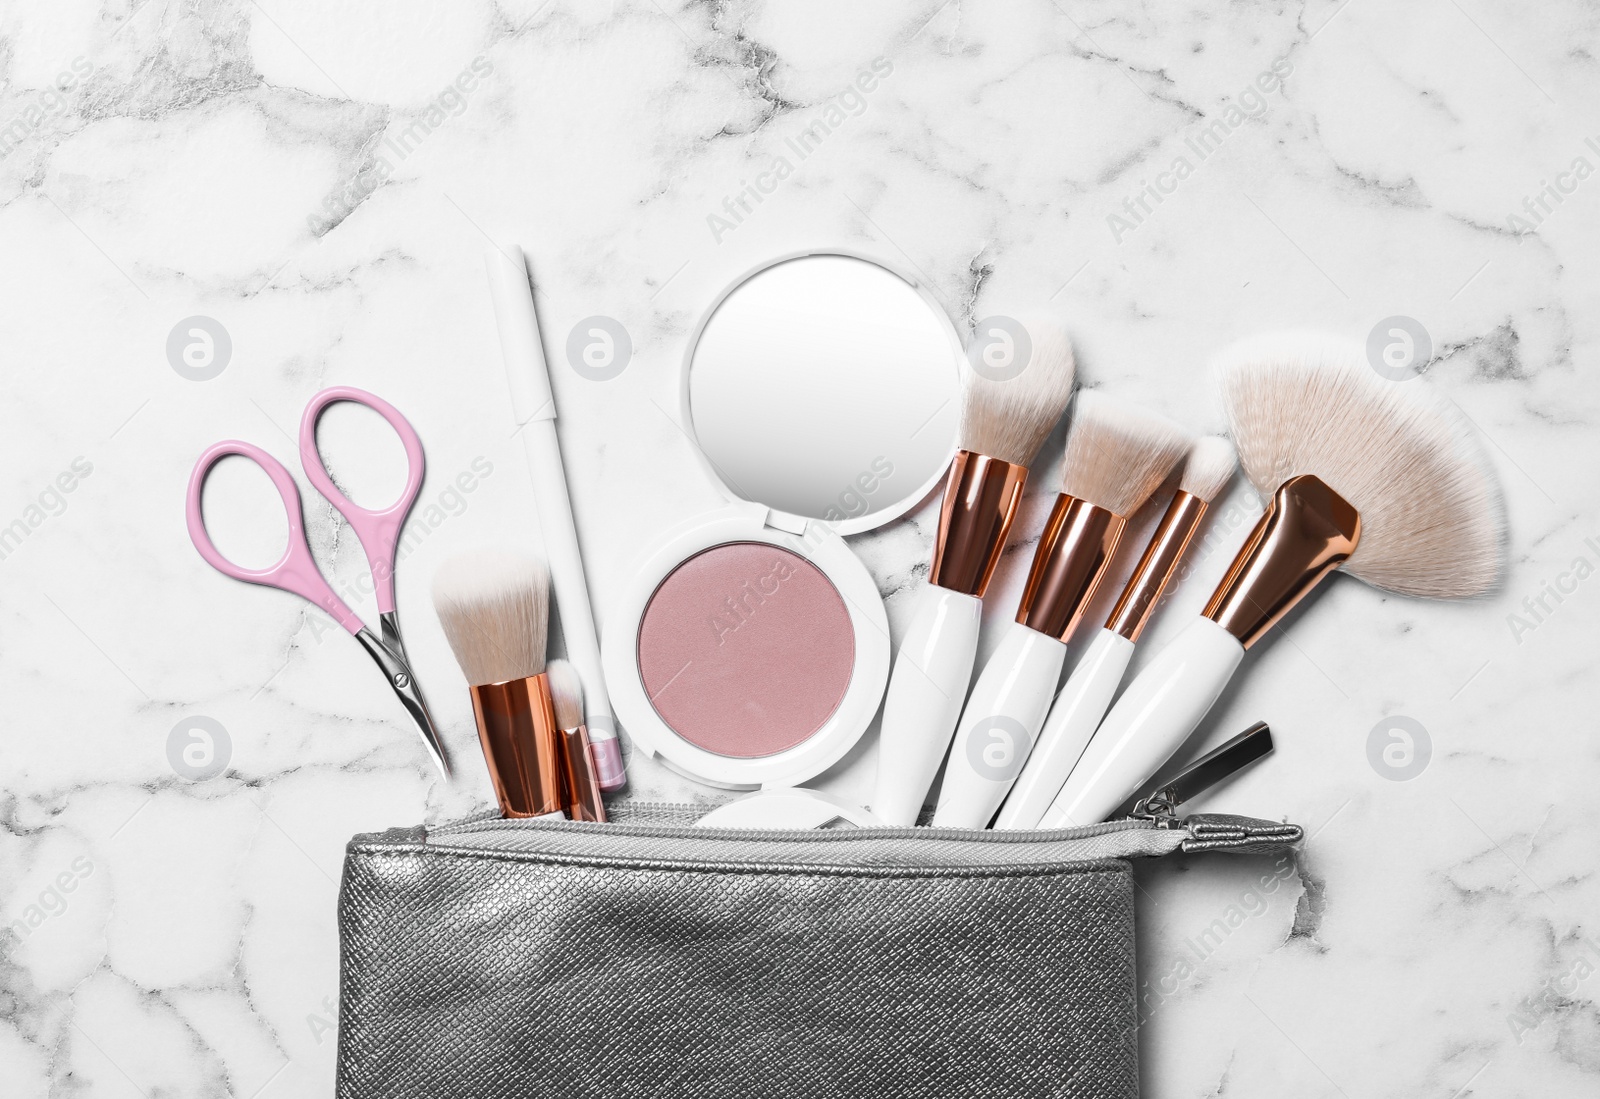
[[540, 959]]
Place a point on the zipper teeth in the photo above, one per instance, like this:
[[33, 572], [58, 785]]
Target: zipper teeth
[[490, 820], [669, 806], [495, 823]]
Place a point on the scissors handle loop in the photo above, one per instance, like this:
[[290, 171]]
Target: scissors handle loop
[[378, 531], [295, 571]]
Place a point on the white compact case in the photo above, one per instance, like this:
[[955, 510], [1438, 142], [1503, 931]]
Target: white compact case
[[751, 649]]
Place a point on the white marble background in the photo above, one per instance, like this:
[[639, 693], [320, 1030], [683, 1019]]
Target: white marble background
[[176, 937]]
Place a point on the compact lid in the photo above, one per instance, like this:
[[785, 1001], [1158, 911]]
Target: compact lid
[[826, 386]]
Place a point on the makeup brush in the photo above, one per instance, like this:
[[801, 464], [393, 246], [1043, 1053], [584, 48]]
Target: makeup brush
[[1117, 455], [580, 783], [495, 610], [534, 406], [1081, 704], [1359, 473], [1004, 422]]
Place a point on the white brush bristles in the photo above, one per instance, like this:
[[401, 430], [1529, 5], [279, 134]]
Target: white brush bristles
[[566, 692], [1118, 454], [495, 610], [1015, 394], [1432, 521], [1209, 467]]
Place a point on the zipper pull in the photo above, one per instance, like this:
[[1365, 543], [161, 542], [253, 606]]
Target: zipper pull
[[1160, 805]]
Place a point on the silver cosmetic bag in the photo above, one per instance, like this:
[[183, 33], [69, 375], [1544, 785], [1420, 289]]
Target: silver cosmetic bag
[[534, 959]]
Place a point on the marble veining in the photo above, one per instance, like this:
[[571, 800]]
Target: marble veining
[[318, 180]]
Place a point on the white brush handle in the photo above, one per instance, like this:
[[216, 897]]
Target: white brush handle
[[1150, 721], [926, 689], [1072, 721], [999, 726], [534, 408]]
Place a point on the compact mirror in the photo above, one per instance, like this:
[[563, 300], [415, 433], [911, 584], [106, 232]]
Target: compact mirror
[[828, 387]]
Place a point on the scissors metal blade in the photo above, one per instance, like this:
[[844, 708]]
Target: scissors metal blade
[[398, 672]]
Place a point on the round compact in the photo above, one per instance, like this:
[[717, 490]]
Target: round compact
[[751, 649]]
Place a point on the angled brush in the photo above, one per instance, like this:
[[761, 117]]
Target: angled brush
[[1006, 417], [1077, 710], [1117, 455]]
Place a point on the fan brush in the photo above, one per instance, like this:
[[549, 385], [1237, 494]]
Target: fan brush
[[1370, 476]]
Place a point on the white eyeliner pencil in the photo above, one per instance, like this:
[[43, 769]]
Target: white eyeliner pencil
[[534, 406]]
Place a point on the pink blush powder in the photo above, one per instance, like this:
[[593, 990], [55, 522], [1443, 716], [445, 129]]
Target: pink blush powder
[[746, 649]]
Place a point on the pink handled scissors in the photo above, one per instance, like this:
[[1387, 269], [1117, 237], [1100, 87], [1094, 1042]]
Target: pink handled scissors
[[378, 531]]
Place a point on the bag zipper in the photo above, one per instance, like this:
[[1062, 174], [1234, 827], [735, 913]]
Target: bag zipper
[[1154, 811], [1128, 837], [493, 822], [1160, 805]]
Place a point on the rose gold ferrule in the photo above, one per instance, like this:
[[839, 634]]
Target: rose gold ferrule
[[1155, 569], [583, 800], [517, 727], [1071, 557], [981, 496], [1308, 529]]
